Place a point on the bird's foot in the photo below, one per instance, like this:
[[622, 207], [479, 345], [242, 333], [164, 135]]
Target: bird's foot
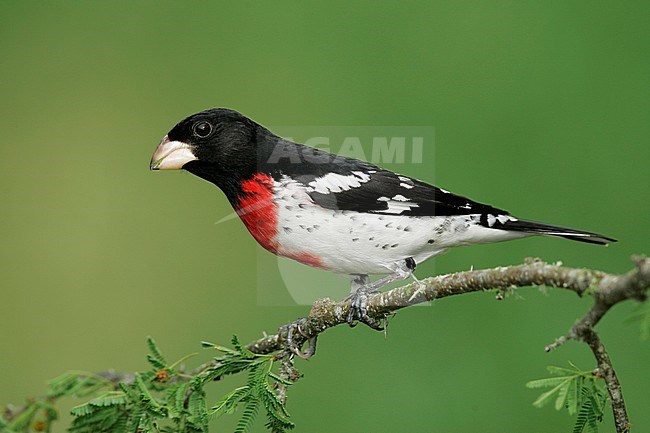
[[294, 337], [359, 309]]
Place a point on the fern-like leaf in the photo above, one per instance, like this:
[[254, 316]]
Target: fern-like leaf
[[155, 351], [544, 398], [248, 416], [228, 404], [198, 414], [546, 382], [155, 362], [23, 420], [573, 396], [578, 392]]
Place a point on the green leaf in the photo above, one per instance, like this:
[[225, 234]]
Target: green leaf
[[198, 414], [581, 420], [142, 387], [156, 363], [176, 395], [562, 394], [573, 395], [130, 393], [228, 403], [155, 352], [24, 419], [3, 426], [563, 371], [95, 419], [79, 384], [82, 410], [545, 397], [547, 382], [273, 404], [248, 416], [279, 379], [593, 400], [111, 398], [144, 404]]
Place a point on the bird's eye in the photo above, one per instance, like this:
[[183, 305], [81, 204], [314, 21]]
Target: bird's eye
[[202, 129]]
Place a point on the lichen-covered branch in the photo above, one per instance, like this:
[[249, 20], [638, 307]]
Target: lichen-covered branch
[[606, 289]]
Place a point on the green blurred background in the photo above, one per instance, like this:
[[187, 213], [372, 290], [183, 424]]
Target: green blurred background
[[541, 108]]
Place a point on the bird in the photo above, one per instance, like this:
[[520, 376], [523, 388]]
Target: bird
[[333, 212]]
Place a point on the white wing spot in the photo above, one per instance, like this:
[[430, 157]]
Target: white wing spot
[[397, 207], [406, 185], [505, 218], [400, 197], [334, 182], [363, 177]]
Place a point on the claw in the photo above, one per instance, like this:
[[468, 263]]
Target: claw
[[311, 349], [359, 310], [361, 287], [293, 328]]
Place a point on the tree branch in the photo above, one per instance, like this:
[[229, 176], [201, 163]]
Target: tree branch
[[607, 290]]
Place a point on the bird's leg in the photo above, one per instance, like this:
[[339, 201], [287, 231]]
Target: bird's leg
[[410, 264], [294, 337], [361, 288], [359, 291]]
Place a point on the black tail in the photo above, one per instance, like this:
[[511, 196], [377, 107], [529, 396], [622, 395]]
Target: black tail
[[551, 230]]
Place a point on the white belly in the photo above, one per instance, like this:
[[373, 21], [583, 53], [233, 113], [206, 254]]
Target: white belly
[[350, 242]]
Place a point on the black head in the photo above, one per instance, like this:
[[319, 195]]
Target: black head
[[218, 145]]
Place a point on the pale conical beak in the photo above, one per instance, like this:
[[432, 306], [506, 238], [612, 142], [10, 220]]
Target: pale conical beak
[[171, 155]]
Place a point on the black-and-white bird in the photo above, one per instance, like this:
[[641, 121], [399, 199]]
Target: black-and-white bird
[[331, 212]]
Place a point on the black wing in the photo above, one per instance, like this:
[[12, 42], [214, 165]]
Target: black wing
[[340, 183], [373, 190]]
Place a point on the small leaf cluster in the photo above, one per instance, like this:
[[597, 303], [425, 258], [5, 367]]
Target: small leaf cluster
[[579, 392], [39, 414], [162, 399], [259, 390]]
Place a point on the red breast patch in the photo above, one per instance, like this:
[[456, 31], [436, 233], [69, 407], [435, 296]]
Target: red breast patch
[[258, 211]]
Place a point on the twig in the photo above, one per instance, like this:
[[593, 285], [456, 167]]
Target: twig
[[606, 289]]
